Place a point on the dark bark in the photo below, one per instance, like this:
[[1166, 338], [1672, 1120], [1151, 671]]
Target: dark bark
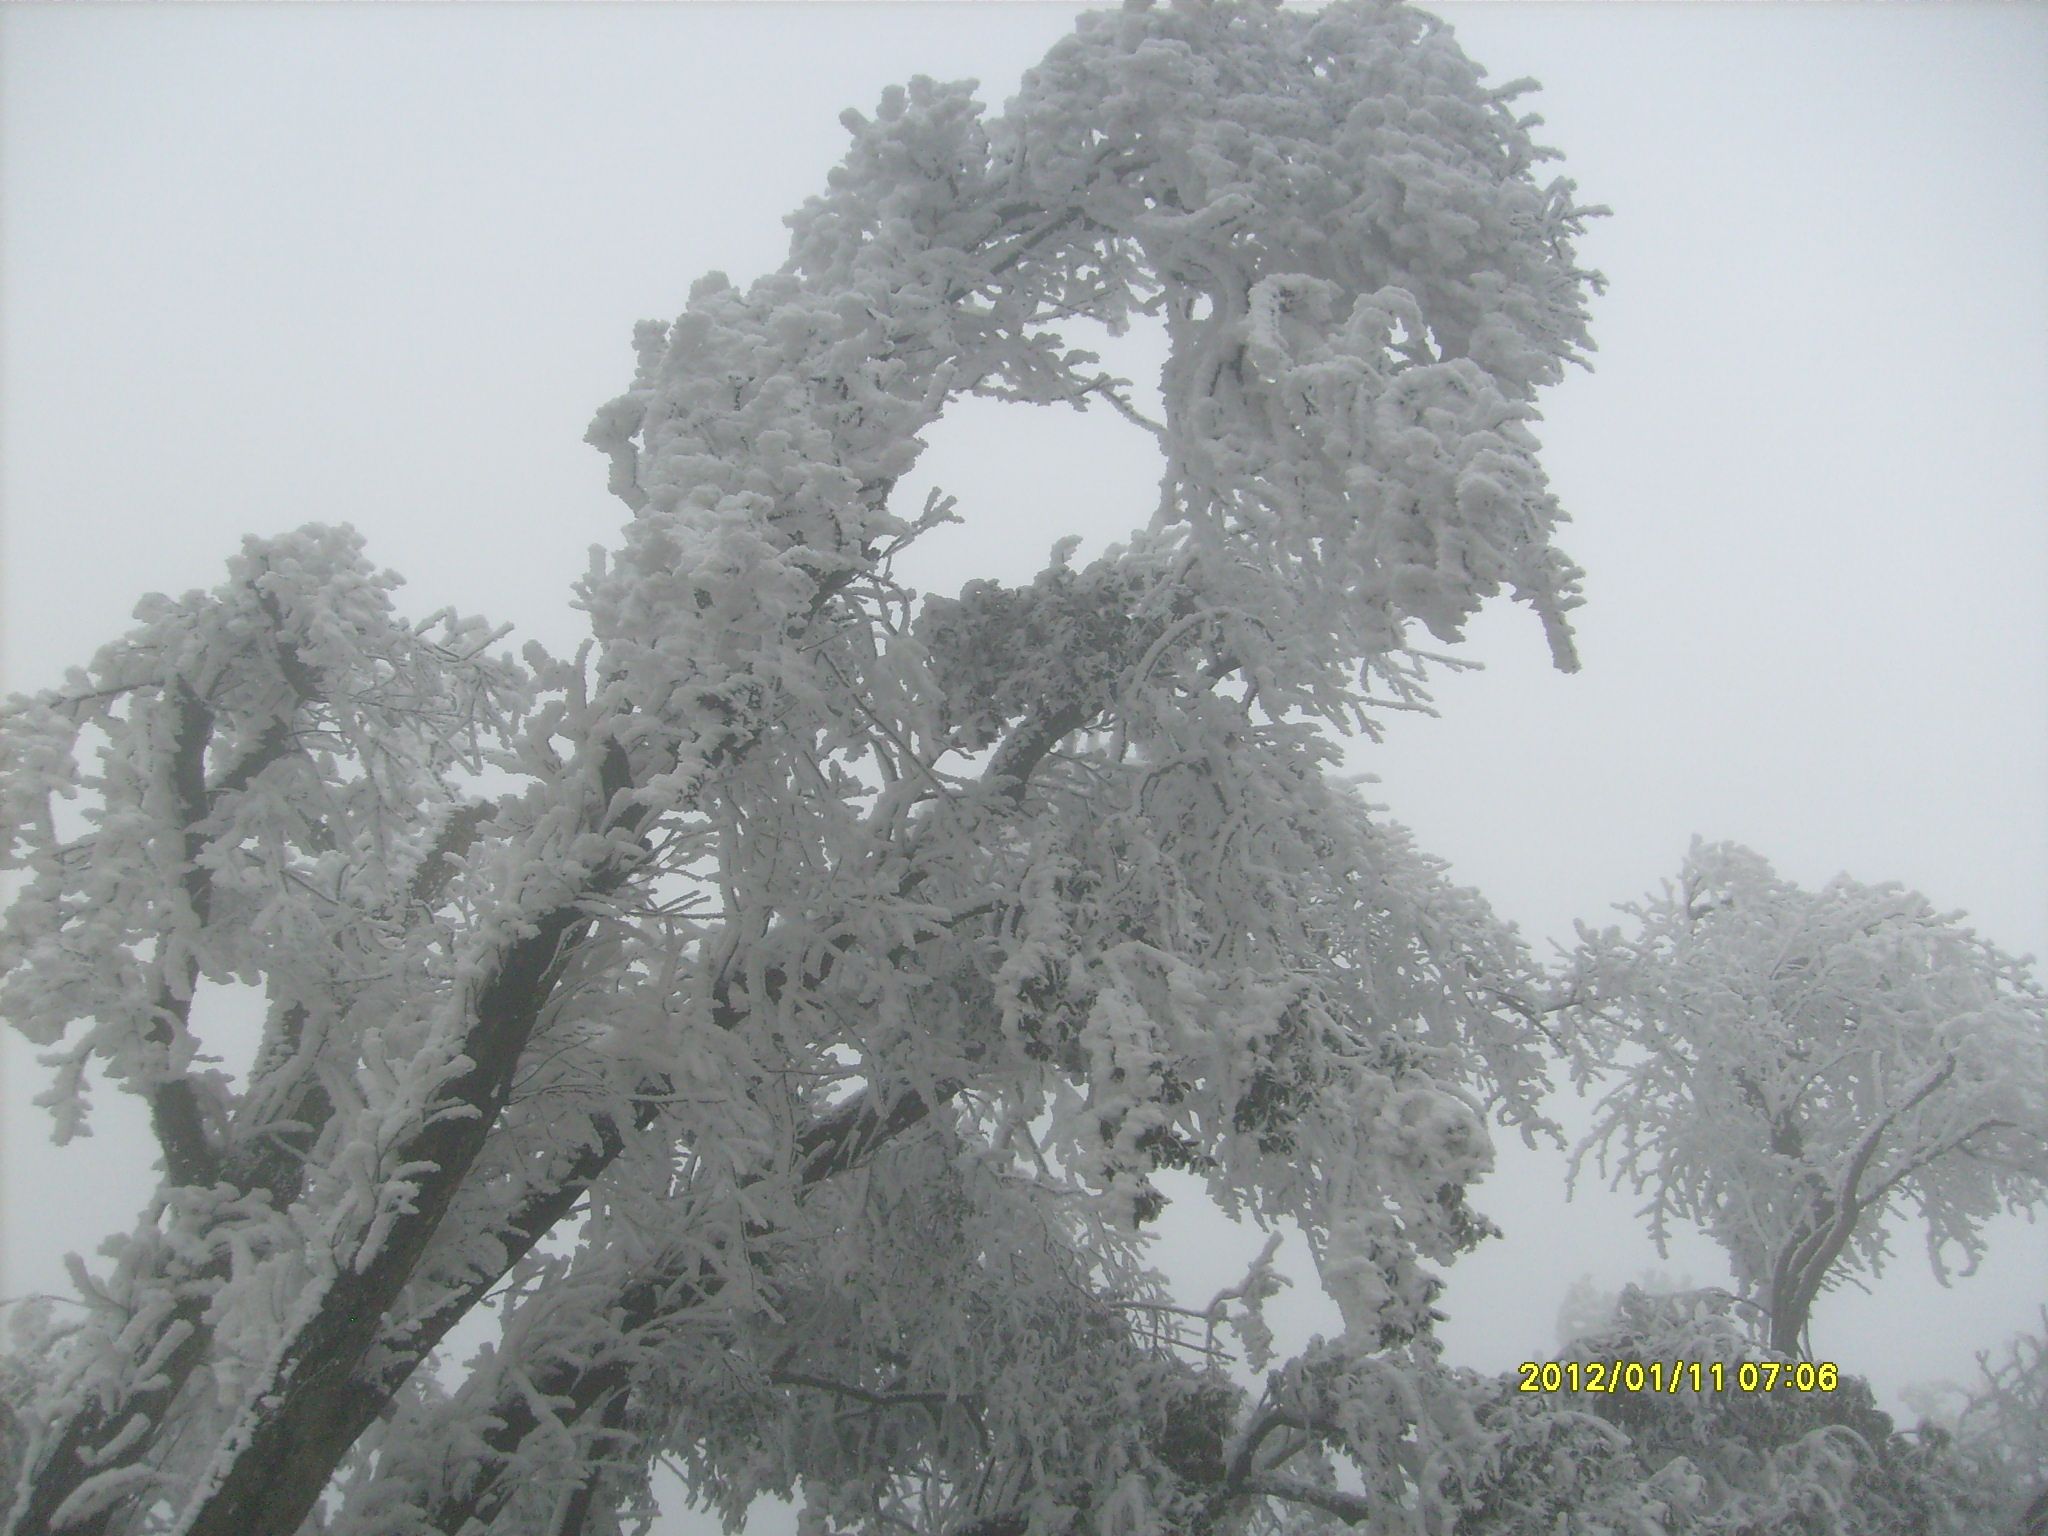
[[1801, 1268], [833, 1144], [68, 1463], [174, 1112], [316, 1403]]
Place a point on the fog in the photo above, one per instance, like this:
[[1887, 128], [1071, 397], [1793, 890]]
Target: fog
[[271, 265]]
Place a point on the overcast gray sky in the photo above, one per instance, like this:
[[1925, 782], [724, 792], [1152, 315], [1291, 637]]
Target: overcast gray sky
[[266, 265]]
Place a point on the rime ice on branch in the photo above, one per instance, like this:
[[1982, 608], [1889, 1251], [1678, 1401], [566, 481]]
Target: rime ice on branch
[[841, 965]]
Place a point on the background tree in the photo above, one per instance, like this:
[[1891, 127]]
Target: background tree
[[2000, 1426], [769, 1018], [1714, 1462], [1791, 1068]]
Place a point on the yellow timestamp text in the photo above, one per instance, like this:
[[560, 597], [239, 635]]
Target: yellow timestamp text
[[1675, 1376]]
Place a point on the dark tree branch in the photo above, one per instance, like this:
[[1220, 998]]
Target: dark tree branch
[[174, 1110], [874, 1399], [175, 1114], [457, 835], [1802, 1267], [273, 746], [1351, 1508], [1018, 758], [320, 1404], [835, 1144]]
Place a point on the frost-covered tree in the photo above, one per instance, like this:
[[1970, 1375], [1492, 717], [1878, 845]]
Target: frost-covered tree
[[1791, 1068], [1713, 1462], [767, 1020], [2001, 1427]]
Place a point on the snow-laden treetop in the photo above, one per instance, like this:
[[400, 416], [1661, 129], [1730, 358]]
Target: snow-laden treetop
[[839, 966], [1364, 285]]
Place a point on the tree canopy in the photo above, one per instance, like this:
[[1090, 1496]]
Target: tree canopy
[[1793, 1067], [761, 1043], [768, 1018]]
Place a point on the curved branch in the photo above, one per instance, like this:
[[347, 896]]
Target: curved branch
[[1351, 1508]]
